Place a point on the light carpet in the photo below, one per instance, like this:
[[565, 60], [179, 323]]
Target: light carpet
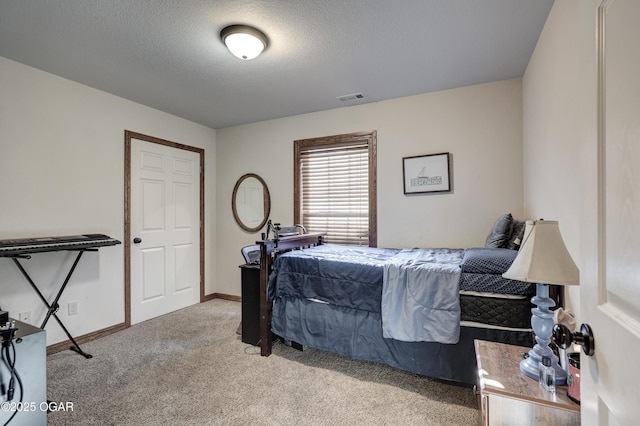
[[189, 367]]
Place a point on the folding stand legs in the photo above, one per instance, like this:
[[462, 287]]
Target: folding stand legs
[[53, 307]]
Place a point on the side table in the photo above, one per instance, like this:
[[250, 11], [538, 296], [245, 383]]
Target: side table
[[509, 397]]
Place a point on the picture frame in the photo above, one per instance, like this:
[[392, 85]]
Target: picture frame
[[429, 173]]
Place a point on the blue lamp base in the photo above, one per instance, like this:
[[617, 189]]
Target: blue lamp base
[[542, 324]]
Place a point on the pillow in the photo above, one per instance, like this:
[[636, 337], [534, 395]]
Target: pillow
[[517, 234], [500, 233]]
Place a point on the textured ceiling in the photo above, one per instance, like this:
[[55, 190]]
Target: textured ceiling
[[167, 54]]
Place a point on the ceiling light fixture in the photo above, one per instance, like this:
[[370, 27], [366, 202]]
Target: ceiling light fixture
[[243, 41]]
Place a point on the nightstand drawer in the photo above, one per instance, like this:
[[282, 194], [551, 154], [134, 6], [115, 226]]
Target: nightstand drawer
[[501, 410]]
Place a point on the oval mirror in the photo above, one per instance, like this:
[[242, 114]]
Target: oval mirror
[[251, 202]]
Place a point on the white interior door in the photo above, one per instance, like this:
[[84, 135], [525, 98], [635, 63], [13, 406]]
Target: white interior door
[[610, 290], [165, 217]]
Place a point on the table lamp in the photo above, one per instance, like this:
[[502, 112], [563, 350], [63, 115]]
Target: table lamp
[[543, 259]]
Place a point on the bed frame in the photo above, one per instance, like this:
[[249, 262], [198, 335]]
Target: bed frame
[[269, 249]]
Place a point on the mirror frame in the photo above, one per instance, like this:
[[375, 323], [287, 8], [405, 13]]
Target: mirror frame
[[267, 202]]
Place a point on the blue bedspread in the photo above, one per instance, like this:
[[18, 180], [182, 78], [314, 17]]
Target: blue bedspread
[[352, 277], [420, 296], [340, 275]]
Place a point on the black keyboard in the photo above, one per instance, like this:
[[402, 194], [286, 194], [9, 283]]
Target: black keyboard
[[13, 247]]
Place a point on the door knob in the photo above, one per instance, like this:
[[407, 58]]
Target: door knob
[[564, 337], [137, 240]]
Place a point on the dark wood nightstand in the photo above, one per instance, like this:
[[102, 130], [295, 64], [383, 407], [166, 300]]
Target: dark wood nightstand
[[250, 303], [509, 397]]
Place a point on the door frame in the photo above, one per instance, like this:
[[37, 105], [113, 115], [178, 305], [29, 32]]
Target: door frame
[[128, 135]]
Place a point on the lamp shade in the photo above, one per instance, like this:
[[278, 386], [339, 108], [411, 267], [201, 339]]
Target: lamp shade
[[243, 42], [543, 257]]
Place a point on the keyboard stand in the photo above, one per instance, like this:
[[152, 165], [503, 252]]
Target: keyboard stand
[[53, 307]]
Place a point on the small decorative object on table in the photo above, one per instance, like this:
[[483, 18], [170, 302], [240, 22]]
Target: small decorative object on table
[[573, 379], [546, 374]]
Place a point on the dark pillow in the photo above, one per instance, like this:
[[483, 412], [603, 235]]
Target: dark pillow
[[500, 233], [517, 233]]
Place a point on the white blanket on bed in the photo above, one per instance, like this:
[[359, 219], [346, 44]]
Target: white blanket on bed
[[420, 296]]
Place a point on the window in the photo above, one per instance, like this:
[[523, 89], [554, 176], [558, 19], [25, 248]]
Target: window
[[335, 187]]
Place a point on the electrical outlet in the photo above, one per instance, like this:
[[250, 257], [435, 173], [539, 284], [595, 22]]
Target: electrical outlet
[[72, 307], [25, 316]]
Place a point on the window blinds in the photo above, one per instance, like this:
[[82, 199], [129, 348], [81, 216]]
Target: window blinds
[[335, 192]]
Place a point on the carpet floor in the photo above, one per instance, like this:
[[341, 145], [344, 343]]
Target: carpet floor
[[189, 367]]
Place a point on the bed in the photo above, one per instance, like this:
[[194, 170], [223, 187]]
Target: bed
[[334, 298]]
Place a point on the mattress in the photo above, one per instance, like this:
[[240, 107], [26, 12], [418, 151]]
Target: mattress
[[482, 270], [496, 310], [494, 283]]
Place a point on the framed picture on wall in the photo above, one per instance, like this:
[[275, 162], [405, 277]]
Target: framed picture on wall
[[427, 173]]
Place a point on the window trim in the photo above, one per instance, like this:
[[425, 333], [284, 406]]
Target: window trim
[[370, 138]]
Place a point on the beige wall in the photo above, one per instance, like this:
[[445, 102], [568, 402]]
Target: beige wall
[[480, 125], [515, 147], [62, 173], [552, 127]]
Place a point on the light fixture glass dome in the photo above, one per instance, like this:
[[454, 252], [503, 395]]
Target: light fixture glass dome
[[243, 41]]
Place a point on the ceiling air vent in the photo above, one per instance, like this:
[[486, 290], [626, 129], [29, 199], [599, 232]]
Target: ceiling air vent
[[351, 97]]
